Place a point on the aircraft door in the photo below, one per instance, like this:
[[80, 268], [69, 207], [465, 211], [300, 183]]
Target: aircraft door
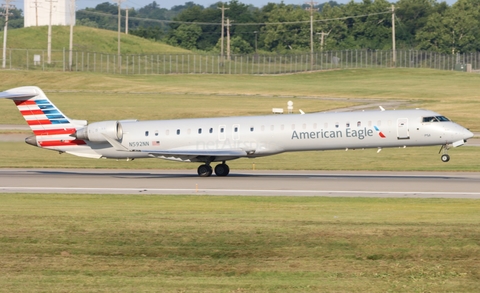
[[402, 128], [235, 132]]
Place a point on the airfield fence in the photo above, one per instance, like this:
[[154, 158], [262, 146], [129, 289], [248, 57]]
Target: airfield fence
[[31, 59]]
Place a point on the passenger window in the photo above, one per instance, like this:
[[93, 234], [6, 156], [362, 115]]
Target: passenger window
[[262, 128], [379, 122], [314, 125], [347, 124], [282, 127], [178, 131], [337, 125], [252, 129], [272, 127], [146, 133], [156, 132], [211, 130], [236, 129], [359, 123], [167, 132], [199, 131], [222, 130], [293, 126], [325, 125]]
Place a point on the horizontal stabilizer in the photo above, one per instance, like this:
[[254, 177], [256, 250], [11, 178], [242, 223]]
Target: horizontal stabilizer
[[16, 95]]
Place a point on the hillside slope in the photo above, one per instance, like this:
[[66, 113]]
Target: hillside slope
[[85, 39]]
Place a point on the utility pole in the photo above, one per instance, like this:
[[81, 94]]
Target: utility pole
[[49, 46], [228, 39], [7, 7], [36, 11], [322, 37], [311, 9], [119, 2], [394, 59], [223, 24], [126, 20], [72, 17]]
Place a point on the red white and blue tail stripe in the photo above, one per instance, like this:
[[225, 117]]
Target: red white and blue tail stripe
[[51, 127]]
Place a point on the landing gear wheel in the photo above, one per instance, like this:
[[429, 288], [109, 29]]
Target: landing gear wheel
[[222, 169], [445, 158], [204, 170]]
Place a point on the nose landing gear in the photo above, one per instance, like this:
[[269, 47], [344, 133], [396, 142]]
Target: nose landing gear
[[445, 157]]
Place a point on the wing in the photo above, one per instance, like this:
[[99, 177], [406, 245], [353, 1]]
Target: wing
[[185, 155], [196, 155]]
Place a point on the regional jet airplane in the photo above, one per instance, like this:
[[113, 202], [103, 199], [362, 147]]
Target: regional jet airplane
[[209, 140]]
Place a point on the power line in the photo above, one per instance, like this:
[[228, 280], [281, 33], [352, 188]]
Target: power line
[[238, 24]]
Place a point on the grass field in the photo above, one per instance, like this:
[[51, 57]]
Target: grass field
[[115, 243], [85, 39], [453, 94]]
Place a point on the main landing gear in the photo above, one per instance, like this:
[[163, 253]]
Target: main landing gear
[[206, 170], [445, 157]]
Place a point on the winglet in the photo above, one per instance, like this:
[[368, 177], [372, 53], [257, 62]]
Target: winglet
[[381, 108]]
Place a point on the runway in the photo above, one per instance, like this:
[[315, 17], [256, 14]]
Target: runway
[[245, 183]]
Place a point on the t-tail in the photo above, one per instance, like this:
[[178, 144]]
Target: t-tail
[[51, 128]]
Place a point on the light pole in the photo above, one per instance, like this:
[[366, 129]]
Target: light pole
[[256, 33]]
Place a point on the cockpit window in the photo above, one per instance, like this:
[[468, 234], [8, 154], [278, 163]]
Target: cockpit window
[[442, 118], [435, 119]]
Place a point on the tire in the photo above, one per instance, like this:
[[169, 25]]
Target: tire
[[204, 170], [445, 158], [222, 170]]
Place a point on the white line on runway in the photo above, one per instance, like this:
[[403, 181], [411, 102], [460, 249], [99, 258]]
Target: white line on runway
[[238, 191]]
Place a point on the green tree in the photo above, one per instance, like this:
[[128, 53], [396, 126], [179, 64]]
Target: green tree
[[15, 19], [282, 36], [336, 29], [411, 16], [185, 36], [457, 30]]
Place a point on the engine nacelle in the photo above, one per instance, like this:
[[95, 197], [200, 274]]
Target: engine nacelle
[[94, 132]]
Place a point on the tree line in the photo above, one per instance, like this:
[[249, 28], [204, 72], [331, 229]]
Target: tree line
[[281, 28]]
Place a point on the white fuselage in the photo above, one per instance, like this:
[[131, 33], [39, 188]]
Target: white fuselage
[[272, 134]]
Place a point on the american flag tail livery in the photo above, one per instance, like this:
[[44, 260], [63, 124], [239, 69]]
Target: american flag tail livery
[[51, 128]]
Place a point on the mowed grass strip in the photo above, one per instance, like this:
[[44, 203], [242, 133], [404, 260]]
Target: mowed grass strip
[[124, 243], [453, 94], [153, 106]]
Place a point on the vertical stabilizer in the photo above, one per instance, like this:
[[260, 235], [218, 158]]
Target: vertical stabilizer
[[50, 126], [43, 117]]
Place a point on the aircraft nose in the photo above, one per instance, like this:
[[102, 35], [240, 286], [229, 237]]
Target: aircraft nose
[[468, 134]]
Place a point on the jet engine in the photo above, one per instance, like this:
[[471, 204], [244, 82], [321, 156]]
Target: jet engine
[[95, 132]]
